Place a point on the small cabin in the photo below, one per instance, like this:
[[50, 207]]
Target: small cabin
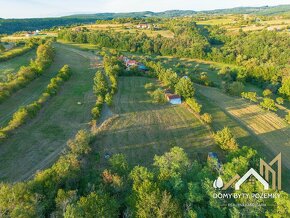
[[173, 98]]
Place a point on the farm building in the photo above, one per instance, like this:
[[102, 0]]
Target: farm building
[[132, 63], [173, 98], [143, 26]]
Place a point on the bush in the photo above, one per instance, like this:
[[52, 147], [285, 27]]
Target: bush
[[280, 100], [268, 104], [194, 105], [158, 96], [236, 88], [225, 139], [149, 86], [207, 118], [252, 96]]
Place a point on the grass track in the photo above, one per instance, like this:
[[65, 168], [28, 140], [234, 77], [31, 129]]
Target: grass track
[[143, 129], [37, 144]]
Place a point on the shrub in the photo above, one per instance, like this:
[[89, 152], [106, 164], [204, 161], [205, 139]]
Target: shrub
[[267, 93], [194, 105], [149, 86], [207, 118], [236, 88], [225, 139], [268, 104], [280, 100], [185, 88], [158, 96]]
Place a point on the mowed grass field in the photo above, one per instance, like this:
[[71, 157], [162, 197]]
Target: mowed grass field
[[270, 129], [13, 65], [37, 144], [141, 129]]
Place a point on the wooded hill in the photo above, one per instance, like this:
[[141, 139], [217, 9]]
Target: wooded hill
[[29, 24]]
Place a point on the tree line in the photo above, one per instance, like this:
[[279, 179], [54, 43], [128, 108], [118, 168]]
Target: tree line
[[44, 57], [23, 114], [21, 49]]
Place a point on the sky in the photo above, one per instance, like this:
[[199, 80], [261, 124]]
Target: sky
[[55, 8]]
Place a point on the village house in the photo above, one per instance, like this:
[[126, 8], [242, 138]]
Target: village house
[[173, 98], [132, 63], [144, 26]]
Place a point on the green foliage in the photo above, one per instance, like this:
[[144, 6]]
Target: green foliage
[[185, 88], [26, 74], [252, 96], [268, 104], [149, 86], [236, 88], [93, 205], [225, 139], [31, 110], [100, 84], [280, 100], [285, 88], [194, 105], [207, 118], [267, 93], [158, 96]]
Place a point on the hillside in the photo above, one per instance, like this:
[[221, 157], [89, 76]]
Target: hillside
[[14, 25]]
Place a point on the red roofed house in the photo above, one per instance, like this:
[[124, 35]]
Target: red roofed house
[[131, 63], [173, 99]]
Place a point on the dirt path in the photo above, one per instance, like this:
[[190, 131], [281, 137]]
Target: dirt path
[[273, 131]]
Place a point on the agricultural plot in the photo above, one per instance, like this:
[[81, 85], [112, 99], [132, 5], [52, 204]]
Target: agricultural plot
[[140, 129], [37, 144], [271, 130], [13, 65]]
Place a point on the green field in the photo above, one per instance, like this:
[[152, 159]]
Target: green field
[[141, 129], [13, 65], [36, 145]]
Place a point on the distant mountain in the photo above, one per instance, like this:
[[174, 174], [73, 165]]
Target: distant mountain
[[13, 25]]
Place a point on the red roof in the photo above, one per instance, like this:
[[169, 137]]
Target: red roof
[[172, 96], [132, 62]]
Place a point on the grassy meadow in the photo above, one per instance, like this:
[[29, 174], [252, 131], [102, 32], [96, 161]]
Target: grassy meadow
[[141, 129], [13, 65], [36, 145]]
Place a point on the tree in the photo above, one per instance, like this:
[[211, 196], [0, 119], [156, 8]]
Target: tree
[[236, 88], [268, 104], [185, 88], [280, 100], [207, 118], [100, 84], [252, 96], [93, 205], [267, 93], [158, 96], [285, 88], [119, 164], [225, 139], [194, 105]]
